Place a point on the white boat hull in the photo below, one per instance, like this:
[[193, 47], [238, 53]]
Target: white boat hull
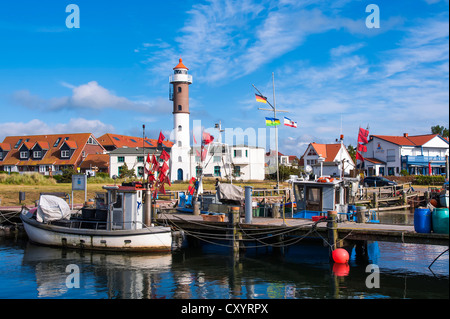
[[155, 239]]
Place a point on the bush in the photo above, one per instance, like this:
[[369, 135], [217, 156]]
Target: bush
[[429, 180]]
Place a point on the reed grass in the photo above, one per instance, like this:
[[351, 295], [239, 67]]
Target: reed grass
[[26, 179]]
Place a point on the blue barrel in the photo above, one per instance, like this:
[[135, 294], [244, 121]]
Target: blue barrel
[[422, 220], [440, 220]]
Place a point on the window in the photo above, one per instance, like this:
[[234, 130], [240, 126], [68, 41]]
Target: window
[[133, 140], [65, 154], [217, 171], [180, 128], [179, 89], [390, 156], [237, 171], [23, 154], [91, 141], [237, 153], [180, 159], [180, 144], [217, 159], [198, 171], [18, 143], [179, 107], [121, 159], [37, 154], [140, 159], [246, 153], [57, 142]]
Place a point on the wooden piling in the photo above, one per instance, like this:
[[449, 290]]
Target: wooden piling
[[332, 230], [233, 220]]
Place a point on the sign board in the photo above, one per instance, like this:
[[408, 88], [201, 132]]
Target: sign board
[[79, 182]]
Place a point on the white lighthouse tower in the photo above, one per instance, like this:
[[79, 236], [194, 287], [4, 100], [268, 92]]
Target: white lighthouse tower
[[179, 94]]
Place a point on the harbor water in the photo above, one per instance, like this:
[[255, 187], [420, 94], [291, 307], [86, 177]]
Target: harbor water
[[29, 271]]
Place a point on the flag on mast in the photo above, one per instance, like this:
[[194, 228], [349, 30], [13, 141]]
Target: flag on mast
[[260, 98], [271, 121], [289, 122]]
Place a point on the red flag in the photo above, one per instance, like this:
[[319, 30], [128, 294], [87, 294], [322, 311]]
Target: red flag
[[167, 180], [191, 190], [195, 141], [155, 163], [207, 138], [161, 138], [192, 180], [204, 152], [164, 168], [164, 155], [151, 177], [162, 177], [359, 157], [162, 189], [362, 136], [148, 158], [362, 148]]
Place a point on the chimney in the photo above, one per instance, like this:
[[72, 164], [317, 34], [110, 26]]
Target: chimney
[[405, 134]]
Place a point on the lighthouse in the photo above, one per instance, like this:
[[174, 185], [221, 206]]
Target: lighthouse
[[179, 94]]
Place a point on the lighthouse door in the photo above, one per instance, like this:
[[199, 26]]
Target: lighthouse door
[[180, 174]]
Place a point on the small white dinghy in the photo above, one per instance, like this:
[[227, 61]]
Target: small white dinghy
[[115, 225]]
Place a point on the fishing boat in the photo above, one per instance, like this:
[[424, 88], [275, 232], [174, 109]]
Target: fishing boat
[[314, 198], [120, 221]]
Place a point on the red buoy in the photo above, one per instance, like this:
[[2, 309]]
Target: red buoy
[[340, 256]]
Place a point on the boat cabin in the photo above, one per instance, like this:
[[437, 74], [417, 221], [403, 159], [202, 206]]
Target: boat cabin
[[125, 207], [315, 198]]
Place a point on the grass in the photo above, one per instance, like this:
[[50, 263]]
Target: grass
[[9, 191]]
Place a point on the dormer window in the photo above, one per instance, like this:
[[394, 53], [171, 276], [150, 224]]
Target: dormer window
[[65, 153], [24, 155], [37, 154]]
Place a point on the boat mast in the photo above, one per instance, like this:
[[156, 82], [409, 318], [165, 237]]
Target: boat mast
[[274, 109]]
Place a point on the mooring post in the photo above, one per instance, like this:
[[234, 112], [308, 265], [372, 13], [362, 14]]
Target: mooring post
[[233, 219], [332, 230], [248, 204], [375, 200], [148, 207]]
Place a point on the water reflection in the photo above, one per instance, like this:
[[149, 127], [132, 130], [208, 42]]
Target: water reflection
[[193, 274]]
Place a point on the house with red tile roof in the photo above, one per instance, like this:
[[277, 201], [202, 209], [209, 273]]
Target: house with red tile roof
[[114, 141], [327, 159], [47, 154], [419, 154]]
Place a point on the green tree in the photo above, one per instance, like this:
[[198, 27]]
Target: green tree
[[437, 129], [126, 172], [352, 151]]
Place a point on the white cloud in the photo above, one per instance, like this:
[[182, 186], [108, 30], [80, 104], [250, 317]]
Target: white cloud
[[39, 127], [90, 96]]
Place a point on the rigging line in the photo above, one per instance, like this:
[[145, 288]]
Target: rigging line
[[281, 243], [269, 232], [438, 257]]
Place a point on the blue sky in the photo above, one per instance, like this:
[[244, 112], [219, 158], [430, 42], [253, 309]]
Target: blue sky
[[111, 74]]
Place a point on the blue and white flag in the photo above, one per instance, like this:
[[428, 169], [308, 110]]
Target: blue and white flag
[[289, 122]]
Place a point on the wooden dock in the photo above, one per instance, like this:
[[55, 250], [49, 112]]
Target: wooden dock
[[346, 231]]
